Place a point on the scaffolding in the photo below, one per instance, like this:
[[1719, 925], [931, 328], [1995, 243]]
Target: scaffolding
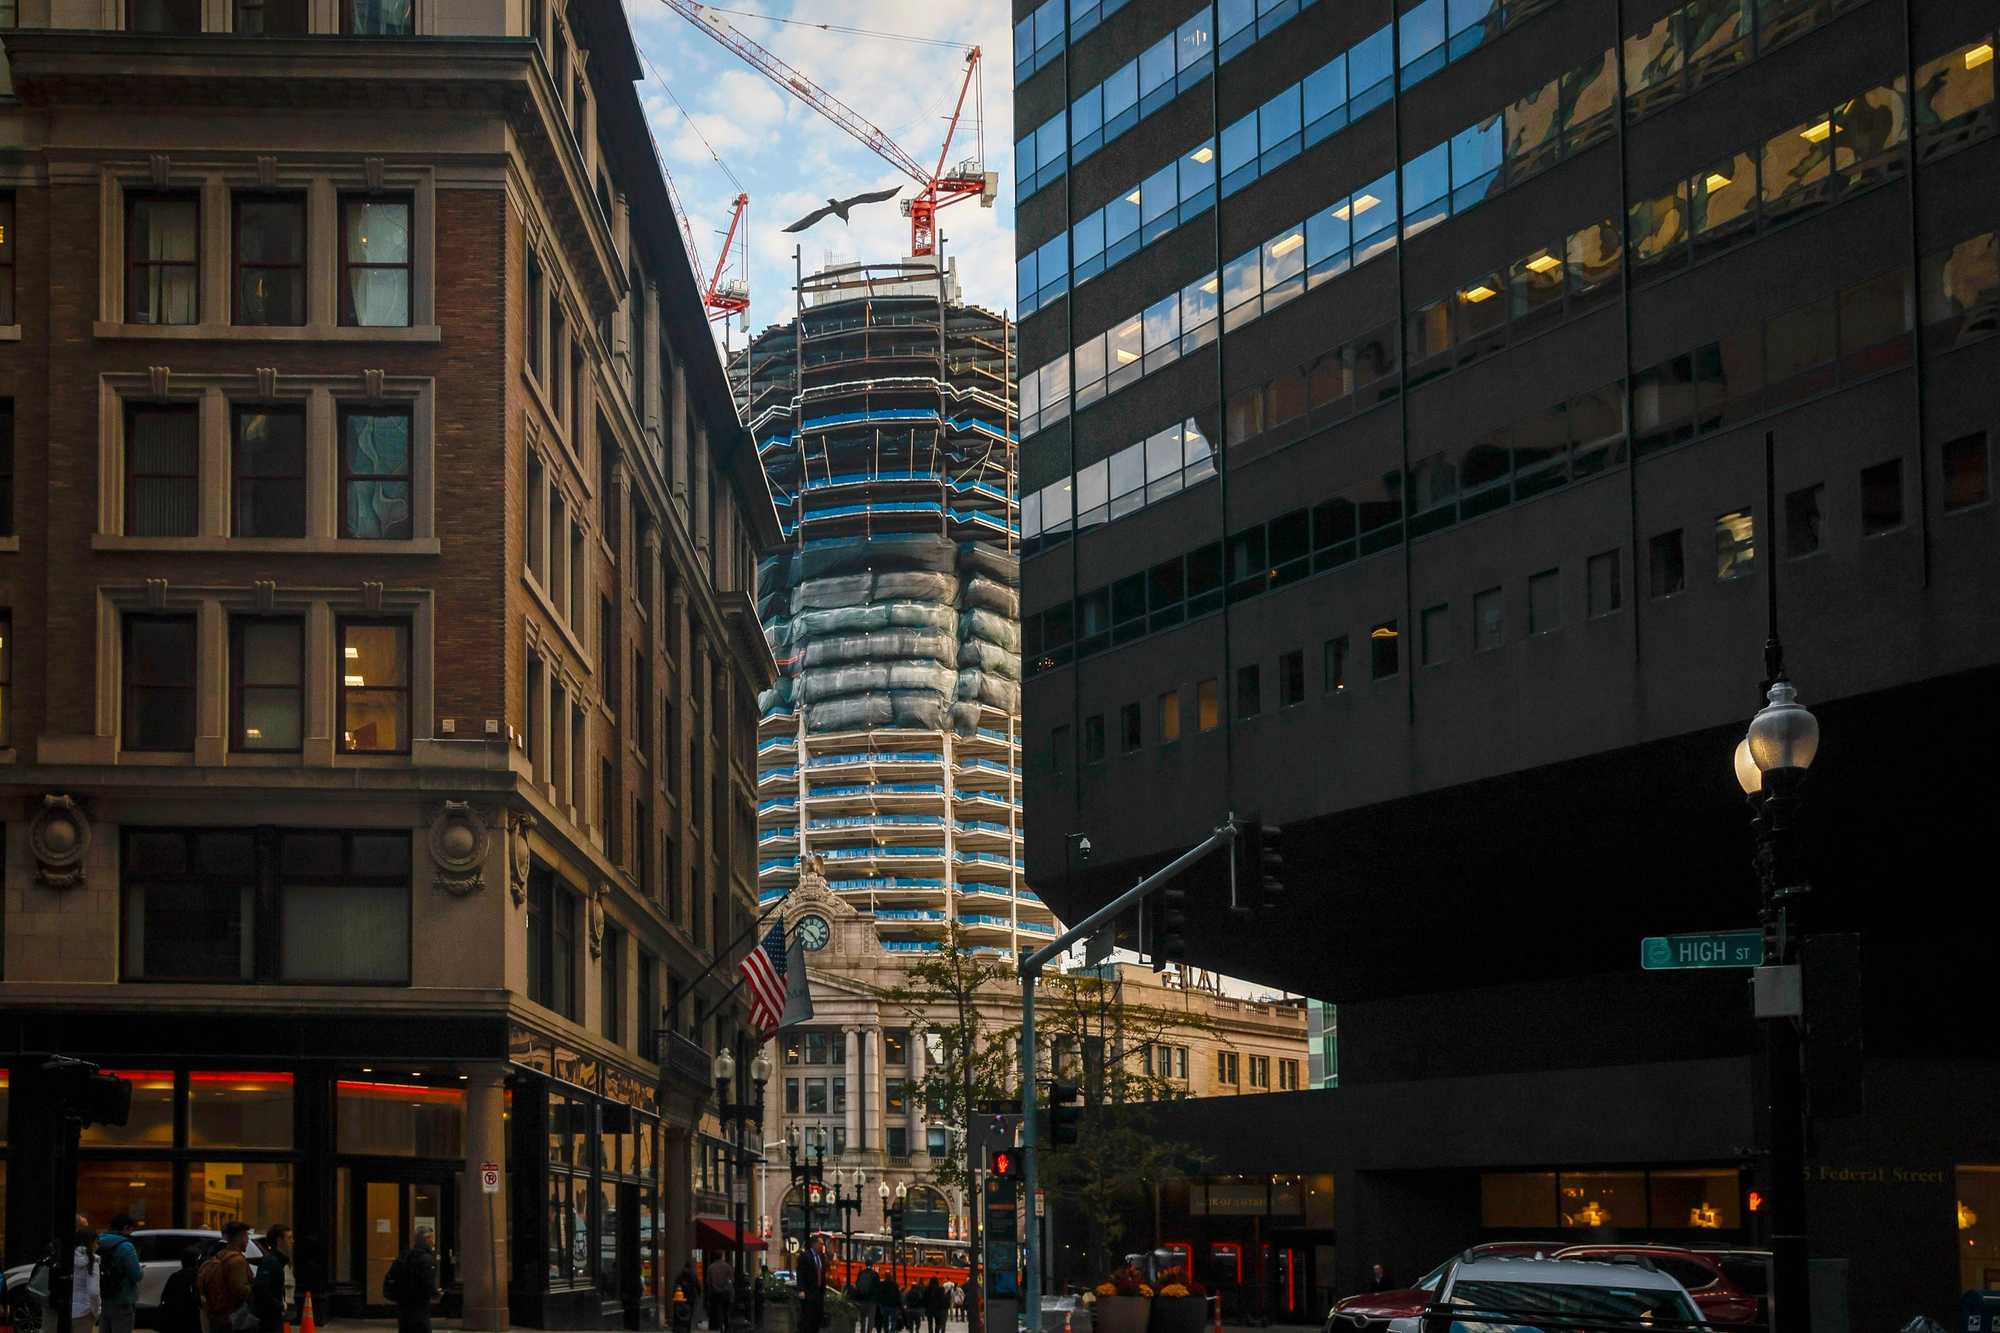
[[884, 419]]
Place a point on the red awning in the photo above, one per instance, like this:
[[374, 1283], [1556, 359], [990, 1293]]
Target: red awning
[[719, 1233]]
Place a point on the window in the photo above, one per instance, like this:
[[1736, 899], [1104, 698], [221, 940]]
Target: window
[[533, 318], [1288, 1075], [267, 675], [163, 16], [1207, 705], [1170, 717], [791, 1096], [1130, 733], [1383, 657], [551, 942], [1436, 627], [536, 520], [378, 18], [1249, 691], [7, 311], [271, 18], [270, 257], [375, 686], [1804, 511], [646, 1011], [1225, 1068], [162, 256], [1735, 545], [1964, 460], [1059, 751], [159, 682], [375, 476], [1882, 498], [1333, 664], [1093, 739], [162, 458], [611, 974], [6, 678], [268, 473], [1489, 620], [1291, 678], [1544, 602], [375, 248], [1667, 564], [1260, 1071], [1604, 588], [310, 906]]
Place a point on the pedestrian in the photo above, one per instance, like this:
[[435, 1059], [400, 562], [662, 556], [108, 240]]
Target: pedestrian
[[226, 1283], [180, 1300], [936, 1302], [812, 1285], [118, 1276], [686, 1292], [888, 1301], [721, 1281], [268, 1286], [84, 1302], [411, 1283], [757, 1294], [1379, 1279]]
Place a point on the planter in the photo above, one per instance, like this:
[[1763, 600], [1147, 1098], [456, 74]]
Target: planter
[[780, 1316], [1179, 1314], [1120, 1314]]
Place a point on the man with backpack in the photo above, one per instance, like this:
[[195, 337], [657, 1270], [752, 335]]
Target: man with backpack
[[268, 1287], [118, 1276], [411, 1283], [225, 1283]]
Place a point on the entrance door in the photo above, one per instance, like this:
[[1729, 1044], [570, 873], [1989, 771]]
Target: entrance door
[[386, 1212]]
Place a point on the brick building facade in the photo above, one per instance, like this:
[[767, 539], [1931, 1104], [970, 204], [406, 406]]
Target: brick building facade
[[376, 703]]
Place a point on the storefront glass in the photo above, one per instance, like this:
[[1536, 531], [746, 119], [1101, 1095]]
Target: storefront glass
[[1686, 1199], [259, 1193], [151, 1124], [380, 1119], [1593, 1199], [106, 1187], [229, 1110], [1699, 1199], [1978, 1221]]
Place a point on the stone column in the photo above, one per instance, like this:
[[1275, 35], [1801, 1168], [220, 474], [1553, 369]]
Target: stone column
[[482, 1217], [872, 1089], [851, 1053], [678, 1199]]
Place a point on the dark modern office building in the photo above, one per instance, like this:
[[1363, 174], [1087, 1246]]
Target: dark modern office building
[[1396, 387]]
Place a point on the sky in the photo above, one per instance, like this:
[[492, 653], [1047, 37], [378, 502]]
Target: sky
[[790, 158]]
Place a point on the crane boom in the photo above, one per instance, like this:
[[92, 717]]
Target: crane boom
[[935, 188]]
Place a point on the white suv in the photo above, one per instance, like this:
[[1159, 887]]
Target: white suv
[[1503, 1293], [159, 1259]]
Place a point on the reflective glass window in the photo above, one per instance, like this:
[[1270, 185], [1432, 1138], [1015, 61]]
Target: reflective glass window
[[1530, 128], [1156, 65], [1278, 124], [1324, 91], [1241, 279], [1659, 225], [1795, 161]]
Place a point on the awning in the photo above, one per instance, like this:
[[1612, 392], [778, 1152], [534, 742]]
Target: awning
[[719, 1233]]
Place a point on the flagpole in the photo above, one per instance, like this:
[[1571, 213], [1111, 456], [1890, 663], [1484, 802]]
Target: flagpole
[[748, 931]]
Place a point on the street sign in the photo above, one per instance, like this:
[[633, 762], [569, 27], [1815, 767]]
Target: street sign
[[1712, 948], [489, 1177]]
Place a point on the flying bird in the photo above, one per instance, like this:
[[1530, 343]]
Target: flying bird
[[838, 207]]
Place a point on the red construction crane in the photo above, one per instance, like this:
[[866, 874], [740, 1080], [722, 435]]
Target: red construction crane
[[936, 188]]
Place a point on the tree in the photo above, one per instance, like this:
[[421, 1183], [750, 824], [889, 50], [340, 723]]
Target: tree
[[963, 998]]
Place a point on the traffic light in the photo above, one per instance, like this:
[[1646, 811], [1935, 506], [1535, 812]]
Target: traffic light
[[1004, 1164], [1264, 861], [1170, 944], [78, 1089], [1065, 1113]]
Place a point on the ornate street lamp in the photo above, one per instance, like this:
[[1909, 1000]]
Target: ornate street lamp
[[738, 1115]]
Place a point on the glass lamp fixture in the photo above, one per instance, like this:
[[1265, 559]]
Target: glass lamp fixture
[[1748, 775], [760, 1068], [1784, 734], [723, 1066]]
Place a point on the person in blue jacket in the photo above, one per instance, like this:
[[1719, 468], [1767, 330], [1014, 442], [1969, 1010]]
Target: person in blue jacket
[[118, 1276]]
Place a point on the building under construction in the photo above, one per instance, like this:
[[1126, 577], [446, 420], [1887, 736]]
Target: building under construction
[[884, 416]]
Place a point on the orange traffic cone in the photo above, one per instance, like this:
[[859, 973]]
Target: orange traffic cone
[[306, 1316]]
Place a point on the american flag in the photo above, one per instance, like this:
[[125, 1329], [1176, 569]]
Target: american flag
[[764, 971]]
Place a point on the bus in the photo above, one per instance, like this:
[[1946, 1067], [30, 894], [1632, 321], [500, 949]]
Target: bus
[[911, 1260]]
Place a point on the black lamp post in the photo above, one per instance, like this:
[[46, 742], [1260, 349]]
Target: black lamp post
[[848, 1205], [805, 1153], [738, 1114], [1771, 763], [894, 1217]]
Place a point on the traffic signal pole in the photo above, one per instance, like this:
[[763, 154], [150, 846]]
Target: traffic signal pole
[[1031, 970]]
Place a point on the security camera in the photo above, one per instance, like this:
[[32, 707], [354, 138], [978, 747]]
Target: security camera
[[1083, 848]]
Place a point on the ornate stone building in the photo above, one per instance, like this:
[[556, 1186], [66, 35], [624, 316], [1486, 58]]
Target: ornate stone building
[[377, 648], [853, 1069]]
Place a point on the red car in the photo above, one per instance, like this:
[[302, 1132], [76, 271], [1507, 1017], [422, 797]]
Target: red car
[[1715, 1291], [1372, 1311]]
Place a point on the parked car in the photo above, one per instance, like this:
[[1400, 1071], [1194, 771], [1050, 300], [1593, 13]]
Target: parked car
[[1509, 1289], [1376, 1310], [1704, 1275], [159, 1259]]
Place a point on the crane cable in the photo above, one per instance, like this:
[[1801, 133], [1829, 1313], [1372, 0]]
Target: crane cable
[[836, 27], [666, 88]]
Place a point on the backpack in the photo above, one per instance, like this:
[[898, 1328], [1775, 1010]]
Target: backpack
[[396, 1281]]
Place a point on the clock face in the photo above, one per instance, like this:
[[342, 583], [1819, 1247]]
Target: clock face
[[813, 933]]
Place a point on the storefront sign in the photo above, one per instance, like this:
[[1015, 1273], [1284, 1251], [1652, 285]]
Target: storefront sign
[[1232, 1200]]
